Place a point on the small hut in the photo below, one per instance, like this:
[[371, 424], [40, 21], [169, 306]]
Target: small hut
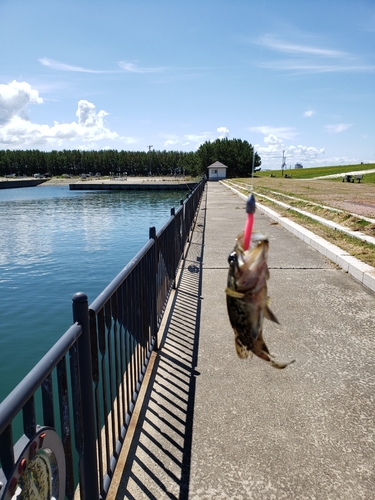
[[217, 171]]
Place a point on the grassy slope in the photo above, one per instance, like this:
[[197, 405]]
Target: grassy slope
[[323, 192], [309, 173]]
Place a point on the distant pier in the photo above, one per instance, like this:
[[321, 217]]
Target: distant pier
[[135, 186], [20, 183]]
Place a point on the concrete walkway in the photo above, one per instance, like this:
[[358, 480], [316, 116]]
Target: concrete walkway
[[213, 426]]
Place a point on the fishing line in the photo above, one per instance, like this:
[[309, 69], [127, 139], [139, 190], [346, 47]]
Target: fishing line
[[258, 78], [251, 204]]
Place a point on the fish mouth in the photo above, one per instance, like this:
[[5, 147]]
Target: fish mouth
[[235, 261], [248, 269], [232, 258]]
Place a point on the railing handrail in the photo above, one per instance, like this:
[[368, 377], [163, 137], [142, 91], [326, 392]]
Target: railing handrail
[[14, 402], [102, 298], [162, 229]]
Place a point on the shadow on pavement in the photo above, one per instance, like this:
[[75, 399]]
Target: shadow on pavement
[[158, 462]]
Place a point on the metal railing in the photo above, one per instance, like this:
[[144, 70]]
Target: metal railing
[[63, 426]]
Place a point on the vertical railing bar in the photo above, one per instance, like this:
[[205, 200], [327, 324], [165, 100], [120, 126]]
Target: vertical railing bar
[[96, 380], [109, 314], [7, 451], [128, 324], [29, 418], [88, 486], [153, 288], [104, 409], [139, 333], [143, 318], [146, 317], [64, 408], [47, 402], [141, 287], [77, 406], [181, 249], [117, 355], [128, 338], [131, 329], [120, 358]]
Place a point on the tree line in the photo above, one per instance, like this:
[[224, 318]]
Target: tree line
[[236, 154]]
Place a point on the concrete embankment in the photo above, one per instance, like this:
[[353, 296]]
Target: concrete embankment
[[20, 183], [132, 186]]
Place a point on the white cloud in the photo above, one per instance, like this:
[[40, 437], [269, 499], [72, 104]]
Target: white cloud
[[294, 48], [50, 63], [275, 147], [194, 140], [87, 117], [223, 132], [287, 133], [171, 142], [17, 131], [312, 58], [341, 160], [308, 67], [199, 138], [91, 146], [14, 97], [309, 113], [132, 68], [272, 139], [336, 129]]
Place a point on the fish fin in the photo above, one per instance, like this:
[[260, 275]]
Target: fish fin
[[260, 345], [269, 315], [268, 357], [261, 350], [242, 350], [234, 294], [256, 330], [280, 366]]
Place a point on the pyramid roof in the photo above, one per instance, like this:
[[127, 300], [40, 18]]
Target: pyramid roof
[[217, 164]]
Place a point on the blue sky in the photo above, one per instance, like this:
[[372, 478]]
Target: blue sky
[[284, 75]]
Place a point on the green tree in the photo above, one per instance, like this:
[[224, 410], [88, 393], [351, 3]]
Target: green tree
[[236, 154]]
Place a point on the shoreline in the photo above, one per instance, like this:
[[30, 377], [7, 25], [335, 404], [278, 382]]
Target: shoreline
[[58, 181]]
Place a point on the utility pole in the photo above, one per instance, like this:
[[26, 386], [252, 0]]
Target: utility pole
[[149, 151], [283, 165]]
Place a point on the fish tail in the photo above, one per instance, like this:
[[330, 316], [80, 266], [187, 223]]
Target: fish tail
[[261, 350], [280, 366]]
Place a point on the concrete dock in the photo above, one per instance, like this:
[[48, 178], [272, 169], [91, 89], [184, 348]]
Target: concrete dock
[[132, 186], [208, 425], [20, 183]]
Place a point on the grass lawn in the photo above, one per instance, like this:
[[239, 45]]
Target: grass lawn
[[357, 198], [310, 173]]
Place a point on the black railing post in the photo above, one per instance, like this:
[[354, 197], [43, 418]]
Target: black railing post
[[89, 472], [175, 245], [153, 288], [183, 232], [7, 451]]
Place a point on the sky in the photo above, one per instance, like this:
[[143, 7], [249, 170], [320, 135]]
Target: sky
[[293, 78]]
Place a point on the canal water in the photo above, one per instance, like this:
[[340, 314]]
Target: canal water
[[53, 243]]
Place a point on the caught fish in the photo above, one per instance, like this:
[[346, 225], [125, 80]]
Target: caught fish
[[247, 300]]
